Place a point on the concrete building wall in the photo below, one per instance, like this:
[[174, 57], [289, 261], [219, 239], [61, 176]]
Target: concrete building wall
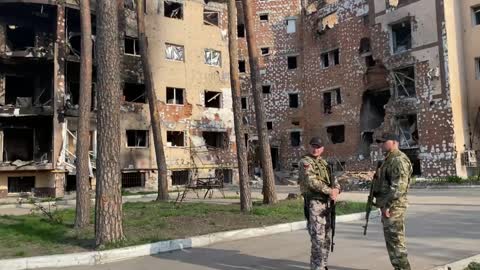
[[191, 74], [273, 34], [471, 37]]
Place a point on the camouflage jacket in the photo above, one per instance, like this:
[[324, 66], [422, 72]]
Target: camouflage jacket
[[391, 186], [314, 178]]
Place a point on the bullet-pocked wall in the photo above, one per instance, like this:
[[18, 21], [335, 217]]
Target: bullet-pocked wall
[[366, 67], [278, 27]]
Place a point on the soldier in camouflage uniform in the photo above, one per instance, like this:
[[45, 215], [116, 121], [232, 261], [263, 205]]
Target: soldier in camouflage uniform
[[314, 180], [390, 191]]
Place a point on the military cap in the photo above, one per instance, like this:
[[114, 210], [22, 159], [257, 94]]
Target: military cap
[[388, 137], [316, 141]]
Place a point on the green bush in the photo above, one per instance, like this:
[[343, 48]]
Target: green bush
[[454, 179], [473, 266]]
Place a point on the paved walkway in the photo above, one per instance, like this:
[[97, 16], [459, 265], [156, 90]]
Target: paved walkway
[[442, 227]]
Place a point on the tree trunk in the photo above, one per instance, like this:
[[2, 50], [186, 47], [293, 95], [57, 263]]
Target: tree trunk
[[245, 195], [82, 214], [108, 214], [153, 105], [269, 195]]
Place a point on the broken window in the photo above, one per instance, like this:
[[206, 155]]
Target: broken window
[[242, 66], [180, 178], [133, 179], [366, 20], [19, 91], [244, 103], [18, 144], [20, 38], [291, 26], [213, 57], [73, 95], [21, 184], [325, 60], [137, 138], [369, 61], [73, 31], [265, 51], [293, 100], [175, 96], [476, 15], [406, 126], [274, 152], [174, 52], [74, 44], [292, 62], [71, 183], [131, 46], [266, 89], [367, 141], [210, 17], [134, 92], [401, 36], [372, 112], [405, 82], [330, 58], [26, 139], [336, 134], [29, 85], [241, 30], [213, 99], [295, 138], [296, 123], [336, 57], [364, 45], [176, 138], [215, 139], [269, 125], [330, 99], [264, 17], [173, 9]]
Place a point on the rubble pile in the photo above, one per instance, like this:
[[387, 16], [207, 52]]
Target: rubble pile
[[351, 181]]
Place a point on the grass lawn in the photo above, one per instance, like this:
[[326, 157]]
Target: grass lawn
[[145, 222], [473, 266]]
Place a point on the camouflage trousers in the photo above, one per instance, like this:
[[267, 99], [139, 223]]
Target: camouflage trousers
[[319, 230], [394, 231]]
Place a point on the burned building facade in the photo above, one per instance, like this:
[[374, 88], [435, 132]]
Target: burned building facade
[[39, 95], [364, 68]]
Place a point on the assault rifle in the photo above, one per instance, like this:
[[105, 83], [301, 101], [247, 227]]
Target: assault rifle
[[370, 199], [333, 212]]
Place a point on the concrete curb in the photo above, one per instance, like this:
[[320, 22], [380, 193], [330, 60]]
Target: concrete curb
[[108, 256], [445, 187], [459, 265]]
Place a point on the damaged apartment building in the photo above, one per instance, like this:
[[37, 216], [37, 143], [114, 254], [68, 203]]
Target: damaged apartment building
[[350, 70], [39, 95]]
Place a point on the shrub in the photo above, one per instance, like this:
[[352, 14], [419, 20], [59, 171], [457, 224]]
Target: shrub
[[473, 266]]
